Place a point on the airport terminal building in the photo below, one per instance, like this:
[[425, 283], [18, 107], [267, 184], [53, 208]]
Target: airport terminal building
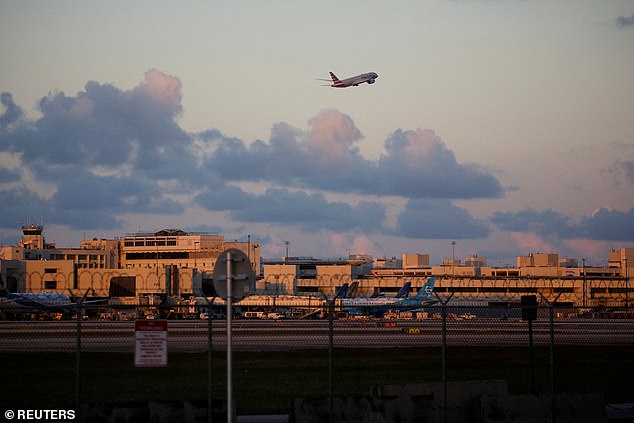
[[175, 263], [170, 262]]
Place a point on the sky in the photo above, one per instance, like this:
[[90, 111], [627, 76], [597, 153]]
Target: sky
[[506, 126]]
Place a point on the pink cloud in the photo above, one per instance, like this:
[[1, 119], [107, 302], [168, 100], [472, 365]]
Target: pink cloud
[[162, 87], [531, 242], [363, 245], [588, 247], [333, 133]]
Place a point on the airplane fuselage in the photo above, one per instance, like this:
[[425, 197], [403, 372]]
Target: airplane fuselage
[[354, 81], [26, 302], [378, 306]]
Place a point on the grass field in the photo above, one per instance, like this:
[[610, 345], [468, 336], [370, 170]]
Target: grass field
[[268, 382]]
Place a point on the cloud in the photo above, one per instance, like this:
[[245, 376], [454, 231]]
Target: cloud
[[12, 113], [625, 21], [438, 219], [104, 153], [545, 223], [311, 212], [603, 224], [17, 204], [363, 245], [587, 247], [532, 242], [292, 157], [610, 225], [165, 89], [332, 135], [416, 164], [9, 175], [622, 172]]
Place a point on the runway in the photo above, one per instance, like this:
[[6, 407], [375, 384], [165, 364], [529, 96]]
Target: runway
[[268, 335]]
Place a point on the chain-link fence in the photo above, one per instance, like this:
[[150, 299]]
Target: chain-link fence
[[448, 363]]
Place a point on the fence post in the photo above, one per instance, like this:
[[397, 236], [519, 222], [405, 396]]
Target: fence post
[[77, 360], [78, 311], [529, 313], [444, 352], [553, 402]]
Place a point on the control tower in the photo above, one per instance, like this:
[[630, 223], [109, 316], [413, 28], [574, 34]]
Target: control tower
[[32, 237]]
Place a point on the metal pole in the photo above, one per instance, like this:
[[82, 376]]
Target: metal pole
[[79, 305], [585, 285], [553, 405], [551, 306], [210, 405], [77, 362], [453, 257], [229, 341], [444, 361], [444, 351], [532, 355], [627, 293], [331, 312]]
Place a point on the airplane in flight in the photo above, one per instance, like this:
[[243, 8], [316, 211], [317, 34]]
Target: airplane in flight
[[379, 305], [353, 81]]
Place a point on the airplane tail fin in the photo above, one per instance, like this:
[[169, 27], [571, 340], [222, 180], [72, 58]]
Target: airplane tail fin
[[342, 292], [352, 291], [405, 290], [335, 80], [426, 290]]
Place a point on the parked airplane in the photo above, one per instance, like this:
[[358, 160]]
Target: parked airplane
[[353, 81], [379, 305], [402, 293], [347, 291], [23, 302], [29, 302]]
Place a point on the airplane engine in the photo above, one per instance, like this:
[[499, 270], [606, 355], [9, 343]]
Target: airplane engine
[[370, 81]]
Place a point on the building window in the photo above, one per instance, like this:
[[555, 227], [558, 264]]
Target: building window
[[49, 270], [122, 286], [50, 284]]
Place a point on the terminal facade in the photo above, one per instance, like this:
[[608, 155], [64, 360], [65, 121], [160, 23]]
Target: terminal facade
[[175, 263]]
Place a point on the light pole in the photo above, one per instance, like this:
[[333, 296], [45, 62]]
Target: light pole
[[627, 286], [453, 257], [585, 286]]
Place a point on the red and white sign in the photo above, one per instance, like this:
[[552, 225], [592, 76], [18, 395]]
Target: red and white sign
[[150, 343]]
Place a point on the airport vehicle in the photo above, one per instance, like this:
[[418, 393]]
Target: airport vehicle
[[353, 81], [379, 305]]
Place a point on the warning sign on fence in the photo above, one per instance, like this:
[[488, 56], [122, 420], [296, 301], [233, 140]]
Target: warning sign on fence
[[150, 343]]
